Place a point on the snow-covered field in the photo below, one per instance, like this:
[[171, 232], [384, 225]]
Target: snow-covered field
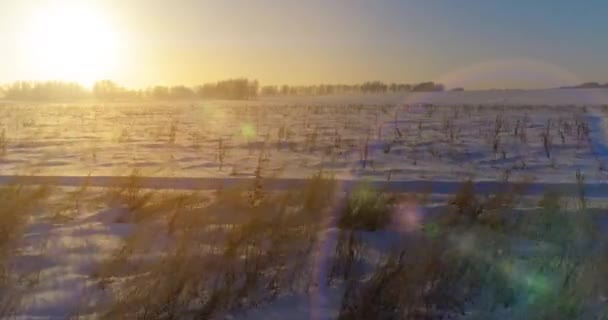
[[109, 226], [483, 135]]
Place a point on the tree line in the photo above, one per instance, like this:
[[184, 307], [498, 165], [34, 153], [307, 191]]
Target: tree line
[[588, 85], [233, 89], [366, 87], [238, 89]]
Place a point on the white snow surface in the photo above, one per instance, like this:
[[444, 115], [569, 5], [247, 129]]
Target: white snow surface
[[298, 136], [294, 138]]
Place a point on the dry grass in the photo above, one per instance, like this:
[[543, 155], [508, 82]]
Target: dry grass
[[17, 202], [205, 256], [3, 143], [367, 209], [250, 254]]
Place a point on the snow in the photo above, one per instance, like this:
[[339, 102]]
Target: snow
[[297, 137], [175, 146], [62, 255]]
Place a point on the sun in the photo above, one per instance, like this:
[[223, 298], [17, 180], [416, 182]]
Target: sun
[[71, 42]]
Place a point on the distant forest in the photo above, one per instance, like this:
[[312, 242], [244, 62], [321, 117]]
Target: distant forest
[[235, 89], [588, 85]]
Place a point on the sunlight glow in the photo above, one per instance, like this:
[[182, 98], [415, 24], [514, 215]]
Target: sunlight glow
[[70, 42]]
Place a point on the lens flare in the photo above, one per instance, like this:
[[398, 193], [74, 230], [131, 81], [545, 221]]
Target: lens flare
[[515, 73], [248, 130], [407, 217], [326, 243]]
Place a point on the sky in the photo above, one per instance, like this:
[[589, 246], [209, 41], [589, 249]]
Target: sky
[[478, 44]]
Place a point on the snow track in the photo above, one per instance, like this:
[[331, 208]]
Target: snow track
[[598, 190]]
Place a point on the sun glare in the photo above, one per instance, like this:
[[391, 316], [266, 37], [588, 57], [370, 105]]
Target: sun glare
[[71, 43]]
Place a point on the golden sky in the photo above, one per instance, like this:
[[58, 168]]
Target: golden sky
[[145, 42]]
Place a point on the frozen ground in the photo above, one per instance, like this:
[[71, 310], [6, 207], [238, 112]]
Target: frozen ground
[[73, 236], [482, 135], [179, 146]]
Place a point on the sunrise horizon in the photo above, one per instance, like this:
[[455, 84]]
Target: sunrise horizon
[[467, 45], [303, 159]]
